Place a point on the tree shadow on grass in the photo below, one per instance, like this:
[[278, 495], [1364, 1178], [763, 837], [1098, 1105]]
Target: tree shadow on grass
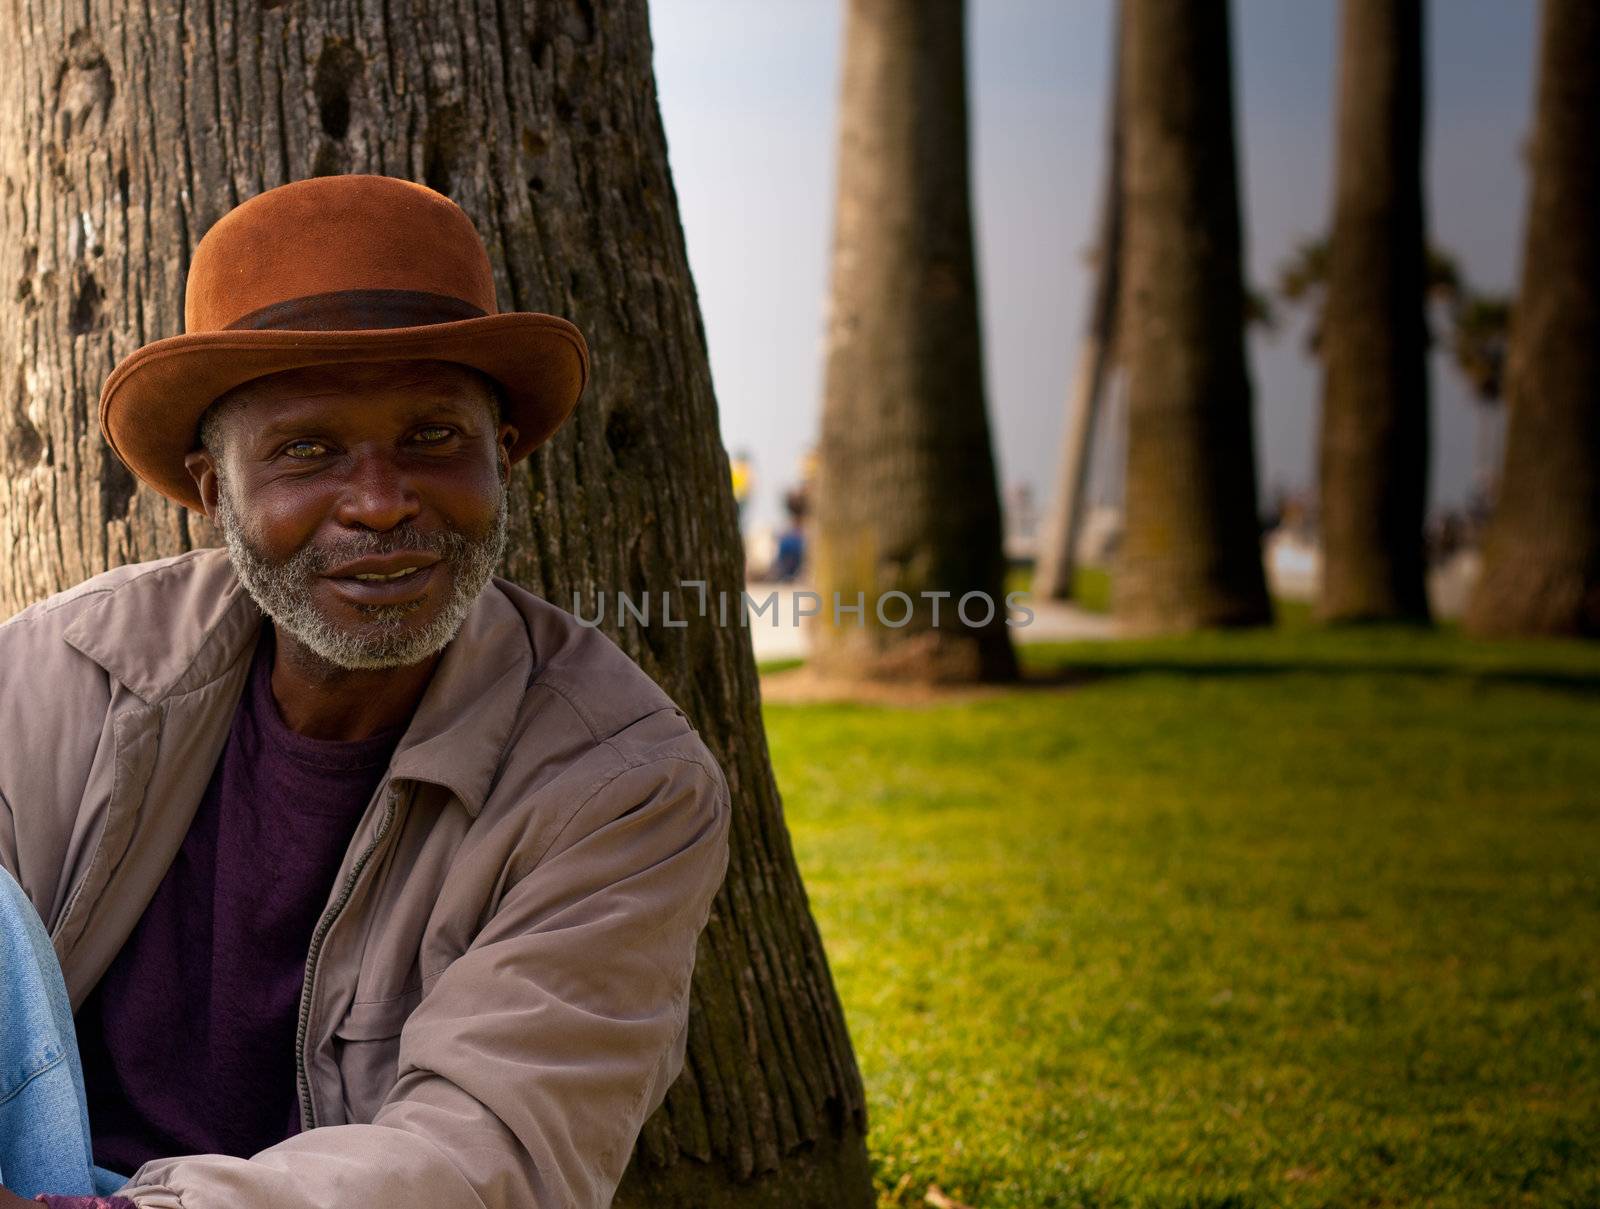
[[794, 683], [1578, 683]]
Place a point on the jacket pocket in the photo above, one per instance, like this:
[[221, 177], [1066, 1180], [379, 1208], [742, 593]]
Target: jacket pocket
[[366, 1046]]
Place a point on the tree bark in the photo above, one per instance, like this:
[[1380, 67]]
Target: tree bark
[[1374, 448], [125, 132], [906, 496], [1058, 552], [1191, 554], [1541, 572]]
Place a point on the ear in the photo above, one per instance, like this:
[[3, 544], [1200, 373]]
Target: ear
[[504, 440], [202, 468]]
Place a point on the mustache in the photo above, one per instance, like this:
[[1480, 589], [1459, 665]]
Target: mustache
[[317, 559]]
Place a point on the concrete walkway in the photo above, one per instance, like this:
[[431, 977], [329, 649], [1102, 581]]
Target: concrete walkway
[[776, 633]]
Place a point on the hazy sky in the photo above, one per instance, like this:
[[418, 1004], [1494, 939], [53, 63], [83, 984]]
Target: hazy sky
[[749, 97]]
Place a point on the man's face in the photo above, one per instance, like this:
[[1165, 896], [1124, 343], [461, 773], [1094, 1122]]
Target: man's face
[[364, 507]]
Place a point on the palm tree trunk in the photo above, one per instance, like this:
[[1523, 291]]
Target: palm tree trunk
[[1541, 572], [906, 496], [1191, 555], [1374, 451], [126, 131]]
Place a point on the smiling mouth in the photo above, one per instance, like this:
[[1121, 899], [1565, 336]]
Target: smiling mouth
[[404, 585]]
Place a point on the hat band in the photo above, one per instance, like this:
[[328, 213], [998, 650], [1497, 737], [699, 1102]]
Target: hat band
[[355, 310]]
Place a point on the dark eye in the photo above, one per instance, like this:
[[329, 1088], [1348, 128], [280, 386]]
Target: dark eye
[[305, 449], [434, 433]]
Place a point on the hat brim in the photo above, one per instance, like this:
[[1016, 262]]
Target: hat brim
[[151, 404]]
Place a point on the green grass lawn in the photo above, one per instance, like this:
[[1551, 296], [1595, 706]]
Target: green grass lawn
[[1294, 918]]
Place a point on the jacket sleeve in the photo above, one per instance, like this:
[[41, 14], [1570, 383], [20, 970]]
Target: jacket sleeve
[[528, 1069], [8, 837]]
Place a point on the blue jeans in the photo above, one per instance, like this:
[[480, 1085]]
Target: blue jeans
[[44, 1116]]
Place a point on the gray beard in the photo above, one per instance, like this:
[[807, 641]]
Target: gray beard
[[283, 590]]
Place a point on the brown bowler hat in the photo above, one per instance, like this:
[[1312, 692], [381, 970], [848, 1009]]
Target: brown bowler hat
[[330, 269]]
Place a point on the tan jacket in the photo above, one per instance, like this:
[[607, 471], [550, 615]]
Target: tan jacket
[[496, 993]]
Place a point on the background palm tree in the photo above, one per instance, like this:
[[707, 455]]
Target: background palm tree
[[1541, 572], [1192, 554], [1478, 324], [1373, 459], [906, 495]]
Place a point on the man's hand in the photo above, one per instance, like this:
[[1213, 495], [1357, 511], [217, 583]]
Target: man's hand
[[10, 1200]]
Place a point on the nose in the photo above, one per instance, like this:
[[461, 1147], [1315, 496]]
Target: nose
[[378, 494]]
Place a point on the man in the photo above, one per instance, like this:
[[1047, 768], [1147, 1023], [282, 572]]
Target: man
[[373, 879]]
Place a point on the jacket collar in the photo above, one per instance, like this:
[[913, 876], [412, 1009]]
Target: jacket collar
[[459, 733], [167, 628]]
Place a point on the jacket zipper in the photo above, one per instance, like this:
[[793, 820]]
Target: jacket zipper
[[302, 1072]]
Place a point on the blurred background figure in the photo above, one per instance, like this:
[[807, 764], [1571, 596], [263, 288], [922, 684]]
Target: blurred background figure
[[789, 560], [1021, 525], [742, 469], [780, 553]]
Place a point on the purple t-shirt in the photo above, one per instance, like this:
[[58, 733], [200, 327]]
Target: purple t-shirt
[[188, 1040]]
